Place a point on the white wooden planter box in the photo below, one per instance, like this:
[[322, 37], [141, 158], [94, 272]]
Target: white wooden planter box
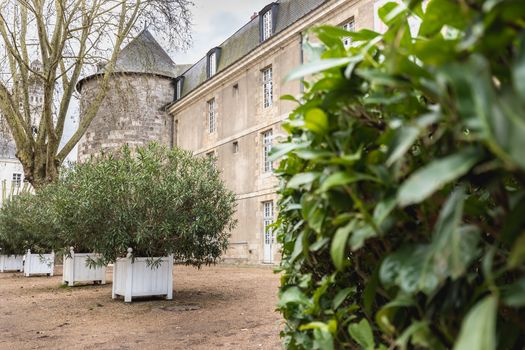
[[11, 263], [135, 278], [76, 269], [39, 264]]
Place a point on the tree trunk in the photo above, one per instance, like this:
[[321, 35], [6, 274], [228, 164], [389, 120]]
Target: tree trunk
[[37, 170]]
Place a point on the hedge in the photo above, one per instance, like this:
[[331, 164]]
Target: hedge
[[402, 210]]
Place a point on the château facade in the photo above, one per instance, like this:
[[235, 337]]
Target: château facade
[[224, 106]]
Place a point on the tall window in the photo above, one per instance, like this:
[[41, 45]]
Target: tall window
[[349, 27], [267, 147], [17, 179], [212, 116], [267, 25], [212, 64], [267, 221], [267, 87]]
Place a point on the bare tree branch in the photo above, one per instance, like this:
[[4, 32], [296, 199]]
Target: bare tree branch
[[69, 38]]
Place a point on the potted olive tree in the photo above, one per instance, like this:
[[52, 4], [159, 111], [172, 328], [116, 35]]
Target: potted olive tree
[[11, 259], [27, 229], [143, 210], [79, 261]]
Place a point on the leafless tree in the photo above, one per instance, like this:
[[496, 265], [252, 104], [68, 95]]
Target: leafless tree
[[69, 38]]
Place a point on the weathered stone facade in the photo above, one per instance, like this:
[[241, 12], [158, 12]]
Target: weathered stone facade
[[242, 119], [131, 114]]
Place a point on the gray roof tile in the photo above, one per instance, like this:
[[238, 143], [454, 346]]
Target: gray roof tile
[[145, 55]]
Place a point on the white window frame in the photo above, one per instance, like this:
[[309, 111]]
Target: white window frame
[[212, 64], [267, 221], [17, 179], [349, 27], [267, 79], [267, 137], [212, 116], [267, 30]]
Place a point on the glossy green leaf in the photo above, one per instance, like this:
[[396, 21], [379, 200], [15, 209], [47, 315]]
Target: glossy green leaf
[[514, 294], [440, 13], [302, 179], [478, 331], [316, 67], [341, 297], [293, 295], [360, 235], [343, 178], [419, 335], [405, 137], [518, 69], [338, 247], [426, 266], [517, 253], [432, 177], [361, 332], [316, 121], [338, 32]]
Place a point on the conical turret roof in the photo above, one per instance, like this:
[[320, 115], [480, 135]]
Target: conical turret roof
[[145, 55], [142, 55]]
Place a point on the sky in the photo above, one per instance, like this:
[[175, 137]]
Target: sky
[[213, 22]]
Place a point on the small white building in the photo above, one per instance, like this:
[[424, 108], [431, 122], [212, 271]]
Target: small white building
[[11, 170]]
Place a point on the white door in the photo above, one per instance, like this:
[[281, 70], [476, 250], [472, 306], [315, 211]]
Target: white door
[[268, 234]]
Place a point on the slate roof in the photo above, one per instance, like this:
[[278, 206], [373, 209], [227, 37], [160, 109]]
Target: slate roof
[[145, 55], [246, 39], [142, 55]]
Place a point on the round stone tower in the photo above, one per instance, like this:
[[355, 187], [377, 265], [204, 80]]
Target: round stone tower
[[132, 112]]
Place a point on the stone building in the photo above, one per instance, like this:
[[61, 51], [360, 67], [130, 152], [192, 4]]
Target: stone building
[[226, 105], [132, 112]]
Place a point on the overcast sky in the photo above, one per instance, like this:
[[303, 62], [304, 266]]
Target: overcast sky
[[213, 22]]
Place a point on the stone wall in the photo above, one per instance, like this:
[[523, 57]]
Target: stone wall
[[132, 113]]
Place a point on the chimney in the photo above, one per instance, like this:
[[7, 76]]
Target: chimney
[[254, 16]]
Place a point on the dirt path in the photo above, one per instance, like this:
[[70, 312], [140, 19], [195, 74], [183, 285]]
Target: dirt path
[[214, 308]]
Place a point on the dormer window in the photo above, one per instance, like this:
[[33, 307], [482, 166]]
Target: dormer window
[[267, 19], [213, 61], [267, 25], [213, 64], [178, 88]]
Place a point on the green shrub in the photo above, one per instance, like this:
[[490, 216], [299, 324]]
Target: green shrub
[[27, 223], [402, 210], [156, 201]]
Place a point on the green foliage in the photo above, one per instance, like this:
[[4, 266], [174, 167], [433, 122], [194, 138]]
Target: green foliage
[[402, 207], [26, 222], [156, 201]]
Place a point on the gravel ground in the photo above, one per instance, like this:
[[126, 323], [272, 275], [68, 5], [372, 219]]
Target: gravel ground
[[213, 308]]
